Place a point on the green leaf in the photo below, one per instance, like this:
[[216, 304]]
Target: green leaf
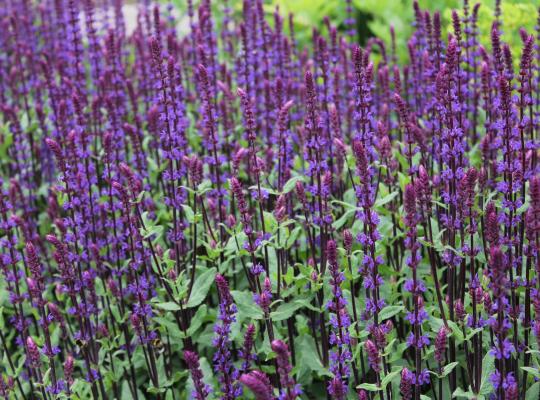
[[239, 237], [6, 143], [151, 231], [204, 186], [270, 221], [155, 390], [246, 306], [488, 366], [472, 333], [197, 320], [82, 389], [291, 183], [343, 219], [404, 180], [460, 393], [126, 392], [389, 312], [168, 306], [289, 276], [389, 347], [308, 359], [448, 368], [190, 215], [307, 303], [456, 331], [286, 310], [293, 236], [389, 377], [386, 199], [533, 392], [533, 371], [370, 387], [201, 287], [140, 197]]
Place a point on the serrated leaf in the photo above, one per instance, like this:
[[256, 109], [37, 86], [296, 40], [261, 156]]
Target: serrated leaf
[[389, 312], [308, 358], [246, 306], [307, 303], [284, 311]]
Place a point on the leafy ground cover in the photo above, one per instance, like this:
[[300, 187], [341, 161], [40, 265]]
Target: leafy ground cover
[[223, 213]]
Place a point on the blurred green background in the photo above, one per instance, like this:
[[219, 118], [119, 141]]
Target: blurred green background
[[374, 17]]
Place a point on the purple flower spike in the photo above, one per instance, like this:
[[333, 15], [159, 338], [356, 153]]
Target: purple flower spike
[[259, 384], [201, 389], [68, 369], [440, 344], [406, 384], [290, 389], [374, 357], [362, 395], [228, 374], [246, 353], [32, 352], [340, 356]]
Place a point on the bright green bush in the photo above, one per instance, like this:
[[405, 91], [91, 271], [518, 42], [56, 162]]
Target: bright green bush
[[375, 16]]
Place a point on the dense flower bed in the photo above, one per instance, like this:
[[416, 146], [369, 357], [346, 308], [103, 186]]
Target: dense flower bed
[[225, 213]]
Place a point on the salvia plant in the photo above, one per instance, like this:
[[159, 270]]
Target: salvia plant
[[221, 211]]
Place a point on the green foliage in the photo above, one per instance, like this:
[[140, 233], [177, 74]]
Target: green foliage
[[378, 15]]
